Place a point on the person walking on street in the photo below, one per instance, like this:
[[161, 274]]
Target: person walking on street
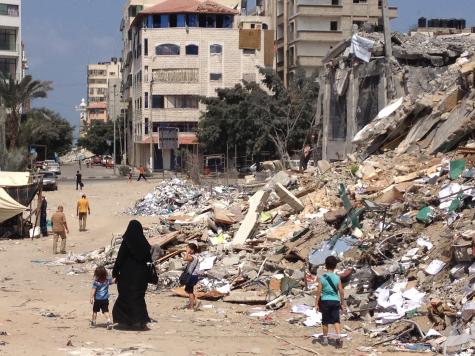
[[43, 217], [79, 183], [330, 298], [141, 174], [60, 228], [82, 210]]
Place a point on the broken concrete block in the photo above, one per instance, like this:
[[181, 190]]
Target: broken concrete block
[[288, 198], [323, 166], [251, 297], [333, 216], [251, 221], [231, 260], [281, 177]]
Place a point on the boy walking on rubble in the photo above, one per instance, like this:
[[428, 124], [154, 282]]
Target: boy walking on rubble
[[330, 298]]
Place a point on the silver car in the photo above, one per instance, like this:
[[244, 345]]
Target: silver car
[[49, 180]]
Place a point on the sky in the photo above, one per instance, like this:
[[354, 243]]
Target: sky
[[63, 36]]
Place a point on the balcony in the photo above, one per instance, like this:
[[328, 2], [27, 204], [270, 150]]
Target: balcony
[[175, 115]]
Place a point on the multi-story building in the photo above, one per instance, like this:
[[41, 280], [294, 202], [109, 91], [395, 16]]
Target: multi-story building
[[176, 51], [99, 101], [98, 76], [12, 59], [307, 29]]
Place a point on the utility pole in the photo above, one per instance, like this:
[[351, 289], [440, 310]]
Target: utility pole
[[150, 122], [286, 41], [114, 118], [387, 32]]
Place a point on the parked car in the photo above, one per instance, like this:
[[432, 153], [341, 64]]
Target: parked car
[[109, 163], [49, 180], [39, 164], [53, 167], [96, 160], [47, 162], [105, 159]]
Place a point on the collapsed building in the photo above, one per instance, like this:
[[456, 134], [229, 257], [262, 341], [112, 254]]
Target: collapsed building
[[425, 89]]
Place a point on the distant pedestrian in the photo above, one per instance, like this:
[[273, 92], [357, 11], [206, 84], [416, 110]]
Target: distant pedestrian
[[330, 298], [305, 158], [189, 277], [43, 217], [141, 174], [130, 176], [79, 183], [99, 295], [60, 228], [82, 210]]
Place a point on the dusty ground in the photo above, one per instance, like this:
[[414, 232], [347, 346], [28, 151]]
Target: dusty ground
[[29, 290]]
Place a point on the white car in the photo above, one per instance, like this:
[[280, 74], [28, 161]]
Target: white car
[[54, 167]]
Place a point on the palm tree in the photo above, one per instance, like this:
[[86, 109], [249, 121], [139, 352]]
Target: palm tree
[[15, 94]]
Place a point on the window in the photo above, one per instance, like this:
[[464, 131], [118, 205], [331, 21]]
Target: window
[[227, 21], [9, 10], [192, 20], [181, 102], [163, 21], [134, 10], [333, 25], [335, 2], [360, 1], [181, 21], [146, 100], [359, 24], [7, 40], [146, 126], [145, 47], [168, 49], [248, 51], [210, 21], [158, 102], [215, 49], [215, 77], [191, 50]]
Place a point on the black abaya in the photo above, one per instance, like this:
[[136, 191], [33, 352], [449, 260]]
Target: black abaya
[[131, 271]]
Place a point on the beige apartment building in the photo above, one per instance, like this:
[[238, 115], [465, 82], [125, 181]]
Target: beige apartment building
[[100, 103], [307, 29], [176, 51]]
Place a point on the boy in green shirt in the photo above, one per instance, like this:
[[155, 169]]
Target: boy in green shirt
[[330, 299]]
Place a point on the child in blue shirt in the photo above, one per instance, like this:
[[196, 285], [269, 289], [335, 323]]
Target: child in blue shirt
[[330, 299], [99, 296]]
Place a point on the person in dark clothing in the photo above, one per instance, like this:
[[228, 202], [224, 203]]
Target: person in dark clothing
[[43, 216], [132, 275], [79, 183]]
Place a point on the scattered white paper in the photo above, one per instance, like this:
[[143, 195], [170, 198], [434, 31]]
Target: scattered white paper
[[435, 267], [424, 243], [207, 263], [414, 295]]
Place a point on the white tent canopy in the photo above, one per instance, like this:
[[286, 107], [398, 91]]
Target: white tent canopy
[[8, 206], [14, 179]]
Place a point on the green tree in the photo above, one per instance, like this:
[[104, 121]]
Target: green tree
[[46, 127], [252, 116], [15, 94], [99, 137]]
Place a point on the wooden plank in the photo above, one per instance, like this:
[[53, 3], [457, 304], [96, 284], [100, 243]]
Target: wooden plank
[[163, 240]]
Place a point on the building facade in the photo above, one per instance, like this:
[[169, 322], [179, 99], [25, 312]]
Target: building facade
[[307, 29], [100, 80], [12, 58], [98, 77], [176, 51]]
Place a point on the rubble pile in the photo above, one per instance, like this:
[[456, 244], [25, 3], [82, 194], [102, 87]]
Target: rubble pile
[[176, 195]]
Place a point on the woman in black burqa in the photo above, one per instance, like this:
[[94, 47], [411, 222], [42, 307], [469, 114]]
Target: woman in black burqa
[[132, 275]]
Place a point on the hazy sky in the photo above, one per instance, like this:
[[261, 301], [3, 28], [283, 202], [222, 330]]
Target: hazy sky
[[63, 36]]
